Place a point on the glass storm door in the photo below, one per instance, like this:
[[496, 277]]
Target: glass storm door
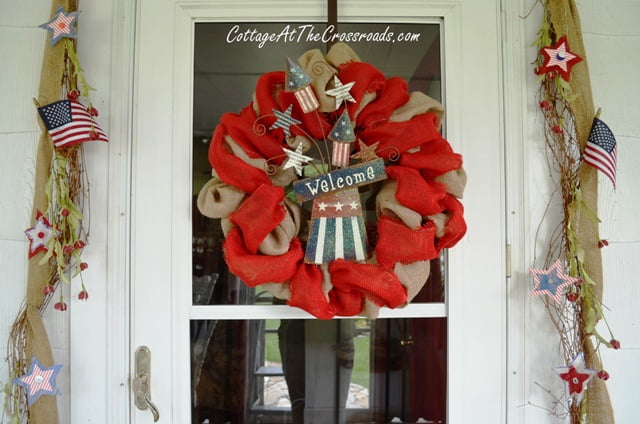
[[223, 352]]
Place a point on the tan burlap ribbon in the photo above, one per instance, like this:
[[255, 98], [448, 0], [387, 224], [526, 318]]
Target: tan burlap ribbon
[[566, 21], [218, 200], [45, 409]]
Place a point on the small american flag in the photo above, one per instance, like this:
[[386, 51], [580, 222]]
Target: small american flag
[[307, 99], [68, 123], [600, 150]]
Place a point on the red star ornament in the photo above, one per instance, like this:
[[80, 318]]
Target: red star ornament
[[39, 235], [559, 58], [576, 376]]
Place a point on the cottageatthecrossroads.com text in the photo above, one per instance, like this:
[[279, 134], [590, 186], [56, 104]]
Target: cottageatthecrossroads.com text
[[308, 33]]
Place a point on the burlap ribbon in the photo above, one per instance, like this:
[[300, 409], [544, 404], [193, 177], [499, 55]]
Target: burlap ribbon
[[566, 21], [45, 410]]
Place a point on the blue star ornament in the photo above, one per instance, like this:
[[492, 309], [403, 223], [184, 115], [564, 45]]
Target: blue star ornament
[[40, 380], [62, 25], [551, 281]]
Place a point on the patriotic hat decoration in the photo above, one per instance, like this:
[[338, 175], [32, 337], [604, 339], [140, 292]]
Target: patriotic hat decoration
[[328, 259]]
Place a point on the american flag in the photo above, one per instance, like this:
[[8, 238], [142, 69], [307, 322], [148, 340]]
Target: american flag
[[68, 123], [600, 150]]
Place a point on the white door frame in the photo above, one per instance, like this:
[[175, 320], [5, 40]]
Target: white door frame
[[123, 127]]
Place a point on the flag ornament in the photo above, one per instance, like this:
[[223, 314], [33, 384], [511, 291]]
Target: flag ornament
[[343, 136], [559, 58], [62, 25], [601, 150], [299, 82], [69, 122], [39, 380]]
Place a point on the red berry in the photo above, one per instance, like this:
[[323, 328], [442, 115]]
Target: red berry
[[572, 296], [93, 111], [603, 375], [49, 288], [60, 306], [615, 344], [83, 295], [83, 266], [545, 105], [67, 250], [578, 282], [64, 212], [603, 243], [79, 244], [73, 95], [557, 129]]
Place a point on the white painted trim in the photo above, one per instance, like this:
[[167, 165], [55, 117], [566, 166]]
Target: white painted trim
[[118, 401], [516, 165]]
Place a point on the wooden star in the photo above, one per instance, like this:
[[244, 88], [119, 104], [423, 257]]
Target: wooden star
[[576, 376], [366, 153], [62, 25], [559, 58], [341, 92]]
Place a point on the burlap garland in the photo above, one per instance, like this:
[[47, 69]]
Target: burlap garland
[[218, 200], [566, 21]]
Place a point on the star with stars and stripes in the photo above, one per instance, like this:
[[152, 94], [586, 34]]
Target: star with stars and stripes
[[559, 58], [551, 281], [39, 235], [39, 380], [284, 121], [62, 25], [576, 377], [295, 159], [341, 91]]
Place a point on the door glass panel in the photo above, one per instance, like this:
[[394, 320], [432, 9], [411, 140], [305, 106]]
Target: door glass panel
[[225, 74], [313, 371]]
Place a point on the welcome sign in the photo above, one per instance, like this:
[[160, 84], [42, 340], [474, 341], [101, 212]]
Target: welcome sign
[[340, 179]]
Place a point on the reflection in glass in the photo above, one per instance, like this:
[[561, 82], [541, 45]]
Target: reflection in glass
[[311, 371], [225, 75]]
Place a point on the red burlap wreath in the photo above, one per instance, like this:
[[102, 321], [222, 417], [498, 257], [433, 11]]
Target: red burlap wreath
[[418, 213]]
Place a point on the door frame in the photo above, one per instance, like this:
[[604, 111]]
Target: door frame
[[122, 208]]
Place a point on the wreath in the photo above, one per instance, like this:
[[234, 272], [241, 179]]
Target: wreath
[[386, 144]]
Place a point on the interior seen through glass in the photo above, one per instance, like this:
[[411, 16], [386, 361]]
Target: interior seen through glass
[[295, 371]]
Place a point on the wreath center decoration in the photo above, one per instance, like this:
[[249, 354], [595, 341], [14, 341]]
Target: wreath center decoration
[[330, 131]]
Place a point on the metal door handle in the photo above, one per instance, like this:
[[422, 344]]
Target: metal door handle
[[141, 384]]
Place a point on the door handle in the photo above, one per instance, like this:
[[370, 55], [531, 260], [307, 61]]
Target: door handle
[[141, 383]]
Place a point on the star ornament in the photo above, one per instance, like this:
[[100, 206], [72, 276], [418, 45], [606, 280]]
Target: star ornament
[[576, 377], [551, 281], [366, 153], [62, 25], [341, 92], [559, 58], [39, 380], [39, 235], [284, 120], [295, 159]]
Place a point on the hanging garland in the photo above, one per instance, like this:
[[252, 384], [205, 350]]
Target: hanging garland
[[578, 145], [274, 155], [58, 234]]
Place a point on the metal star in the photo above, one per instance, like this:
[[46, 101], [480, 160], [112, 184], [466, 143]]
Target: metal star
[[40, 380], [576, 376], [296, 159], [559, 58], [39, 235], [366, 153], [284, 121], [62, 25], [551, 281], [341, 91]]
